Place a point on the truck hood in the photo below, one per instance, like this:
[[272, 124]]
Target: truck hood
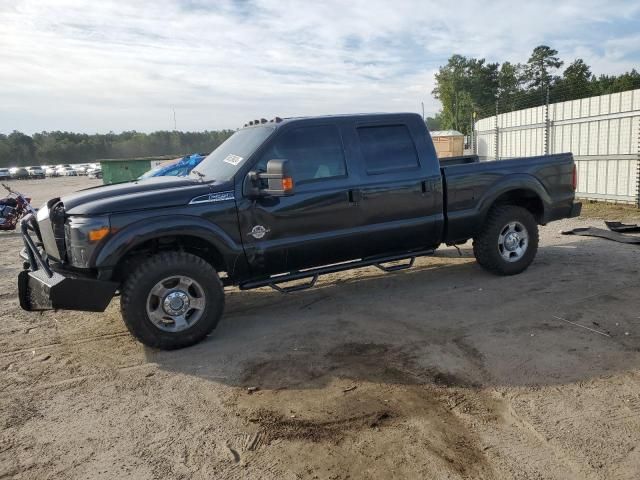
[[151, 193]]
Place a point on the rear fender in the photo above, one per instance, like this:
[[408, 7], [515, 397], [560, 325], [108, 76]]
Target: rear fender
[[464, 224], [509, 184]]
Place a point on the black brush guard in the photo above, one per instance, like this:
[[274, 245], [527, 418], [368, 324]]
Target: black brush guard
[[41, 288]]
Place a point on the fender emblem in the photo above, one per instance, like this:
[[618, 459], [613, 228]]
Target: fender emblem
[[259, 231], [213, 198]]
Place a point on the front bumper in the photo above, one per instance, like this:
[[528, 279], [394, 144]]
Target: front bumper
[[41, 288]]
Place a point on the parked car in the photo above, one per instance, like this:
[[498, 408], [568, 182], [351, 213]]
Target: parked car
[[81, 169], [5, 174], [19, 173], [177, 168], [282, 201], [36, 172], [50, 171], [67, 172], [94, 172]]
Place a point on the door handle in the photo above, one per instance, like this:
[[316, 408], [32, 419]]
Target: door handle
[[355, 196], [430, 186]]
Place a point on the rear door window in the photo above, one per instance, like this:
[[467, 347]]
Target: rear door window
[[387, 148]]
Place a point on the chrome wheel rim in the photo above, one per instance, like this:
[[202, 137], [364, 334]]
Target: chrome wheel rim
[[513, 241], [176, 303]]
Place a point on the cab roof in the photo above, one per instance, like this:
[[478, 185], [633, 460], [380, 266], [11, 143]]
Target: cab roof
[[277, 121]]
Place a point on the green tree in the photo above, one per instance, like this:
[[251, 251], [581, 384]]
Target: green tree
[[510, 85], [449, 89], [463, 86], [605, 84], [21, 148], [435, 122], [538, 72], [576, 82], [466, 85]]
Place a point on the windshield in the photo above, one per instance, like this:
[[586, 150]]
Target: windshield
[[150, 173], [223, 163]]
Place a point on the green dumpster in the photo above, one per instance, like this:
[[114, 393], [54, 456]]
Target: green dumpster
[[118, 170]]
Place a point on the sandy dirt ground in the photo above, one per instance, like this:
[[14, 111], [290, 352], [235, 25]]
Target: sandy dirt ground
[[442, 371]]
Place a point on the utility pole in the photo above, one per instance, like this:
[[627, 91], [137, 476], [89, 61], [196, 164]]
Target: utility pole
[[423, 119], [175, 125]]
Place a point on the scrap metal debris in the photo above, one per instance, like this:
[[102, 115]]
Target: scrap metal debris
[[599, 232], [623, 227]]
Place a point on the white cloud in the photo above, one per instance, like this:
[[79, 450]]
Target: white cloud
[[115, 65]]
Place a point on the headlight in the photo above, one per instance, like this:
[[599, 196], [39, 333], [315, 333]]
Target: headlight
[[82, 236]]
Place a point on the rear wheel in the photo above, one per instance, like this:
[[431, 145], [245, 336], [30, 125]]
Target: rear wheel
[[508, 241], [172, 300]]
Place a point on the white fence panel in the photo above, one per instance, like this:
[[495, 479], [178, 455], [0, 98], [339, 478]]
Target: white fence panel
[[602, 132]]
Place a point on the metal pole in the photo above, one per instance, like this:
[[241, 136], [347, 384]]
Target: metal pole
[[638, 169], [547, 129], [422, 111], [473, 148], [497, 132]]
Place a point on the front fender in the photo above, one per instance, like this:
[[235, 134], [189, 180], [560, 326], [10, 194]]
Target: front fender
[[121, 242]]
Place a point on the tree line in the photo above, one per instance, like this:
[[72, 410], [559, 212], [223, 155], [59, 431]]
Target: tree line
[[467, 85], [50, 148]]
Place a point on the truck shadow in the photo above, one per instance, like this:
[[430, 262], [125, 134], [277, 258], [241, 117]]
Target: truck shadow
[[444, 322]]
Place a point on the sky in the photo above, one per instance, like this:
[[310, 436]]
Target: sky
[[104, 65]]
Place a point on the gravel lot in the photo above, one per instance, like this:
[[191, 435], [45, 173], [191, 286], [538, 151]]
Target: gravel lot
[[441, 371]]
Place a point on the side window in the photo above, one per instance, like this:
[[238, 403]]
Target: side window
[[387, 148], [314, 153]]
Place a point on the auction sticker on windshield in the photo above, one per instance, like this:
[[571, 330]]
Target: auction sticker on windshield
[[233, 159]]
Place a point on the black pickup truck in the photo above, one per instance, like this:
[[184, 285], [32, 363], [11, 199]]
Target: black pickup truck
[[279, 201]]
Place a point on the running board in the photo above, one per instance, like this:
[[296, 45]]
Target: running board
[[313, 273]]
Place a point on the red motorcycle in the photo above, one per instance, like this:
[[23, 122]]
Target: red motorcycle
[[12, 208]]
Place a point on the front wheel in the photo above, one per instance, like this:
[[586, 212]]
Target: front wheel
[[172, 300], [508, 240]]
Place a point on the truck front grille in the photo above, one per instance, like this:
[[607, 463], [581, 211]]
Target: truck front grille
[[56, 213], [51, 227]]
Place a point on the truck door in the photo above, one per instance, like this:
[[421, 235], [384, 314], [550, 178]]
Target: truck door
[[314, 226], [401, 187]]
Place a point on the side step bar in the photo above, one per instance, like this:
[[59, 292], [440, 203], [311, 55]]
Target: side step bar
[[313, 273]]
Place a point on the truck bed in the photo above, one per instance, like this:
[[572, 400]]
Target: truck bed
[[471, 188]]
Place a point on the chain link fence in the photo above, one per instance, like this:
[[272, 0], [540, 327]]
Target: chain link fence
[[602, 132]]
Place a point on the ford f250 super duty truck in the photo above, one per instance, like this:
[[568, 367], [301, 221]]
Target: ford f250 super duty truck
[[283, 200]]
